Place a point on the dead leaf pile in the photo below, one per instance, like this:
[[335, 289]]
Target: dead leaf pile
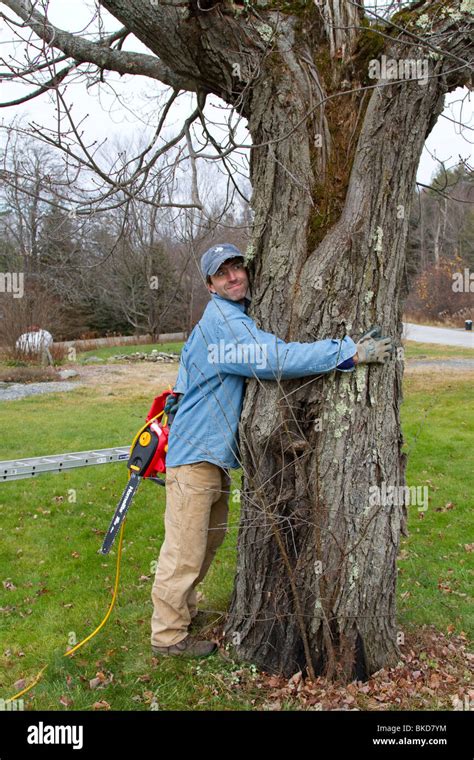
[[434, 673]]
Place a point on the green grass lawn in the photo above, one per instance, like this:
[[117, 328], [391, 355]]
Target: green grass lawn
[[107, 352], [57, 588], [435, 581], [50, 533], [415, 350]]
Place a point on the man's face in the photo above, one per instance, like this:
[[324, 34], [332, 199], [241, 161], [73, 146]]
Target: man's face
[[230, 281]]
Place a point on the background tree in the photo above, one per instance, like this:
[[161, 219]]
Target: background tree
[[441, 246], [118, 270]]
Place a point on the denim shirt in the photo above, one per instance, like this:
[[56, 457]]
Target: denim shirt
[[225, 348]]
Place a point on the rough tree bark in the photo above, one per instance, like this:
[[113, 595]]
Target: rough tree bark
[[332, 168]]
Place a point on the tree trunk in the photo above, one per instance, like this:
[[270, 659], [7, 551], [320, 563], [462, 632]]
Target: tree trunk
[[316, 576], [440, 234], [333, 168]]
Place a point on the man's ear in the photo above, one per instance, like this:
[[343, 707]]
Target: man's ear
[[210, 288]]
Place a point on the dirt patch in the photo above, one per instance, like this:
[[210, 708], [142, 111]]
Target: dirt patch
[[429, 382], [149, 378], [439, 365]]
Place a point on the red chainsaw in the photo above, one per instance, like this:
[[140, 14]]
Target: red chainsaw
[[147, 459]]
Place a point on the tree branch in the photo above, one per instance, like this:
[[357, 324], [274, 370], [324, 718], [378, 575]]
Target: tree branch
[[50, 84], [98, 53]]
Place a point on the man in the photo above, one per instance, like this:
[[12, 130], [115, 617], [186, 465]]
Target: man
[[224, 349]]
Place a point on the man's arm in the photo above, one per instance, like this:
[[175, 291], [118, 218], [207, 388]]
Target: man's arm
[[243, 349]]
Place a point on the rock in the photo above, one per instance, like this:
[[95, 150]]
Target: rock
[[152, 356], [65, 374], [91, 359]]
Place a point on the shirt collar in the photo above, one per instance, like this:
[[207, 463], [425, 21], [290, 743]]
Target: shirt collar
[[241, 306]]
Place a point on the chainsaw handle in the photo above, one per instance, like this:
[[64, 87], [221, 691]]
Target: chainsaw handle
[[158, 481]]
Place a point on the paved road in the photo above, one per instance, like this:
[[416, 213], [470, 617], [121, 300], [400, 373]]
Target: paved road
[[14, 391], [443, 335]]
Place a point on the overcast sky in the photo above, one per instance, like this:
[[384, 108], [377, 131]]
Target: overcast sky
[[113, 112]]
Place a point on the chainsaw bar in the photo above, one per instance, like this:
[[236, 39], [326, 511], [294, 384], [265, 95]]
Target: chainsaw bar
[[120, 512]]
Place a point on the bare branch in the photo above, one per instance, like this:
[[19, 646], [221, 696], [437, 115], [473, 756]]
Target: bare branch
[[98, 53], [49, 85]]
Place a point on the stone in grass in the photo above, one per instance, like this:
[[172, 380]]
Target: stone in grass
[[152, 356], [65, 374]]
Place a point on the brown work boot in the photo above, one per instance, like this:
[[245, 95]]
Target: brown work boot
[[188, 647]]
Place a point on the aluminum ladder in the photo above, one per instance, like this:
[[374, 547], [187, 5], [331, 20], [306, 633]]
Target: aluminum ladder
[[17, 469]]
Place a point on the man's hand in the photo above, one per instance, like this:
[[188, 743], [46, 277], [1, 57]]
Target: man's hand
[[372, 348], [172, 403]]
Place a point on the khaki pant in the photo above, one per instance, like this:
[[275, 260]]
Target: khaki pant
[[197, 499]]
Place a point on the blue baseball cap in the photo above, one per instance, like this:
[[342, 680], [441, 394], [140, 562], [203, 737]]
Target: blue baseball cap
[[215, 256]]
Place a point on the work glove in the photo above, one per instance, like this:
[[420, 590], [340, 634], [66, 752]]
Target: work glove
[[172, 404], [373, 348]]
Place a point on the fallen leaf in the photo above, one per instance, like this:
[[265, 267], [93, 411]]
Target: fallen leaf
[[101, 680], [449, 505], [295, 680], [274, 682], [434, 681]]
